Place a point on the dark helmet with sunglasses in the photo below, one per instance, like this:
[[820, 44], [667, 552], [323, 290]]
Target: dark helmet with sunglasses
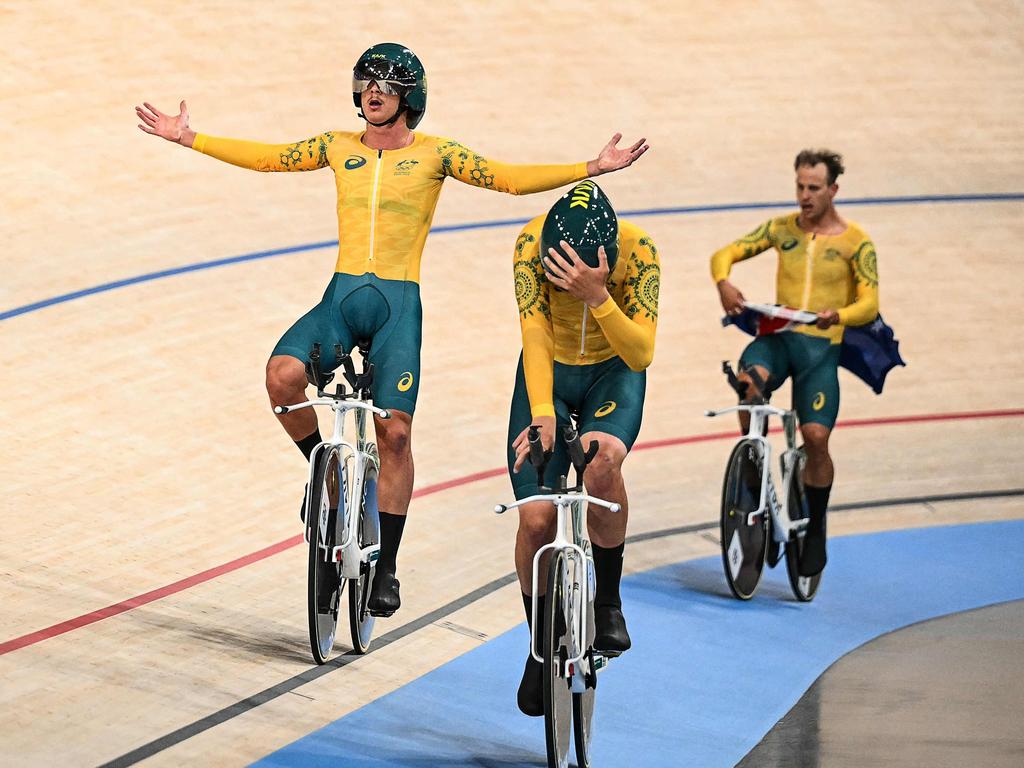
[[397, 72]]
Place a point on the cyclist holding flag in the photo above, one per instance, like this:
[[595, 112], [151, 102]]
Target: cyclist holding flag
[[827, 266]]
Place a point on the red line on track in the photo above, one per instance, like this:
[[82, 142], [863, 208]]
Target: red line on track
[[178, 586]]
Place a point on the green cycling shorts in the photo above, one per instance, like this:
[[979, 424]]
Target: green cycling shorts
[[364, 308], [608, 397], [813, 364]]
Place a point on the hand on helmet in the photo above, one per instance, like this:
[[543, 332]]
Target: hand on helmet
[[585, 283], [612, 158]]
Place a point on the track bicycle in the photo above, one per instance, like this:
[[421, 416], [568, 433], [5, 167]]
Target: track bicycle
[[567, 651], [342, 525], [756, 526]]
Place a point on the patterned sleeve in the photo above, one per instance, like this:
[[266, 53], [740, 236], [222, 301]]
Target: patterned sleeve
[[751, 244], [467, 166], [535, 324], [307, 155], [630, 329], [864, 308]]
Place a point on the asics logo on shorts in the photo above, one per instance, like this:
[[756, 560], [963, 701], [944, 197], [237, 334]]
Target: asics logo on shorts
[[605, 409], [405, 382], [819, 401], [354, 161]]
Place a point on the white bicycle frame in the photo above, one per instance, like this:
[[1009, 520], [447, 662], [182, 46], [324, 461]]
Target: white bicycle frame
[[348, 553], [582, 585], [759, 414]]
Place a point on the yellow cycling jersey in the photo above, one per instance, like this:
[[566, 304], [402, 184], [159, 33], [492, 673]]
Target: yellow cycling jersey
[[386, 198], [816, 272], [559, 327]]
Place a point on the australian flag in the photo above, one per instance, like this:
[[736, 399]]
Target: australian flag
[[869, 351]]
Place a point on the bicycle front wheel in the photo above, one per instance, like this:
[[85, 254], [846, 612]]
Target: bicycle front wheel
[[744, 544], [804, 587], [359, 619], [557, 643], [324, 582]]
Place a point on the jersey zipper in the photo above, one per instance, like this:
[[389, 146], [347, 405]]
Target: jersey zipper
[[812, 246], [373, 201], [583, 333]]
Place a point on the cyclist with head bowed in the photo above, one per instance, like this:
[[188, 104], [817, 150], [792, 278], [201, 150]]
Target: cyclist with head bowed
[[587, 289], [388, 180], [828, 266]]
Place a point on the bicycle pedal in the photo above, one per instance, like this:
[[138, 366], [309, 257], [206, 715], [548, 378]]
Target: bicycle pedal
[[380, 614]]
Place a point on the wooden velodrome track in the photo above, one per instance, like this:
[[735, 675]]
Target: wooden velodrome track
[[138, 449]]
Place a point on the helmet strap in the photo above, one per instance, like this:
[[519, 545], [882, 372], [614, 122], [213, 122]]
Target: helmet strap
[[391, 120]]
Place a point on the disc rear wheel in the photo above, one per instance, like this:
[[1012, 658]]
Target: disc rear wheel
[[804, 587], [744, 543], [368, 532]]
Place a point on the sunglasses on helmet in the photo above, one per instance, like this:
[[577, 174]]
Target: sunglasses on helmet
[[391, 79]]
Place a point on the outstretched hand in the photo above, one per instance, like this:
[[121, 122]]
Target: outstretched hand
[[612, 158], [171, 127]]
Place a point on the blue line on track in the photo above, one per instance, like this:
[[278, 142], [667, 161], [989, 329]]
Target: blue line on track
[[678, 211]]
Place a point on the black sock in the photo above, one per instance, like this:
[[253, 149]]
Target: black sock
[[309, 442], [817, 504], [528, 606], [608, 568], [391, 527]]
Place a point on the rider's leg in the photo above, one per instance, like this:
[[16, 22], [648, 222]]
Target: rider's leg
[[286, 385], [752, 392], [607, 531], [768, 356], [818, 474], [816, 401], [536, 528], [394, 490]]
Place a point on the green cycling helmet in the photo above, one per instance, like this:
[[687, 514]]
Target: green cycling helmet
[[585, 219], [397, 71]]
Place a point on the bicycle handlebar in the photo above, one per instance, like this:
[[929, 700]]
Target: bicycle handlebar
[[336, 404], [555, 498], [771, 409]]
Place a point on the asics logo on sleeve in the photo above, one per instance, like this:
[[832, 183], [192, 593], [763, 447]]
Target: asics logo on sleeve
[[405, 383]]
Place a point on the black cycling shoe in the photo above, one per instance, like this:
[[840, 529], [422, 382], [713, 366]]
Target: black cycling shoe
[[384, 599], [813, 556], [531, 689], [611, 637]]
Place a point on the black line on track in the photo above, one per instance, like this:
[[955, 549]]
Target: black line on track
[[314, 673]]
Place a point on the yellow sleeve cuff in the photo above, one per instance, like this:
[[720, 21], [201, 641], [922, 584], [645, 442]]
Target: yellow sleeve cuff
[[546, 409], [199, 143], [607, 307]]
